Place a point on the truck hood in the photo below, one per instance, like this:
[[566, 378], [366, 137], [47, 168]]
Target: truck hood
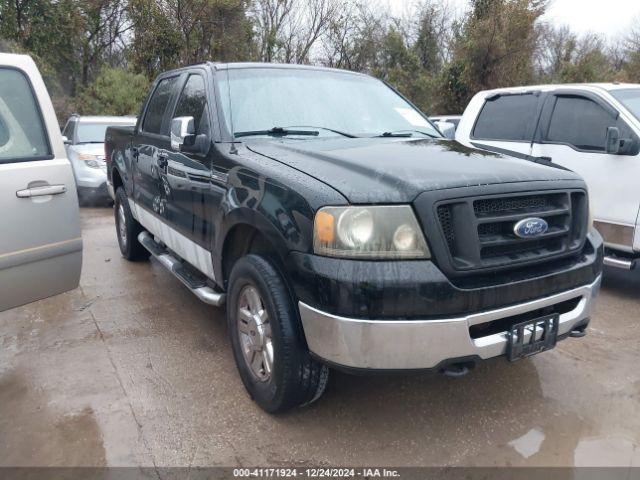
[[383, 170]]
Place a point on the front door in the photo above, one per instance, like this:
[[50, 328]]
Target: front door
[[192, 200], [573, 130], [40, 244]]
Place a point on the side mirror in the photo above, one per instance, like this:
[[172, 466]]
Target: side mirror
[[183, 133], [629, 146], [447, 129], [612, 144], [621, 146], [66, 140]]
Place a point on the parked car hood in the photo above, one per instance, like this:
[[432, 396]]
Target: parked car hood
[[89, 148], [375, 170]]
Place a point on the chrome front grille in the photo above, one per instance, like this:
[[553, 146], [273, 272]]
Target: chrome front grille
[[479, 231]]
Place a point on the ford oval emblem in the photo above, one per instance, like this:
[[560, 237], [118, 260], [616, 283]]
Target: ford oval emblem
[[530, 227]]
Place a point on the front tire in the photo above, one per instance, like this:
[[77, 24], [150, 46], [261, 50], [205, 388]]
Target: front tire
[[128, 229], [267, 339]]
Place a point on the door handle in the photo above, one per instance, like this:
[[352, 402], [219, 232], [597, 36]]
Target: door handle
[[41, 191], [163, 160]]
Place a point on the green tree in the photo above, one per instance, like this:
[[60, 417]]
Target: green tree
[[495, 48], [114, 91], [175, 33]]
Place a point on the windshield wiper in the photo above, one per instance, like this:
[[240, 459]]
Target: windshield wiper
[[277, 132], [344, 134], [405, 133]]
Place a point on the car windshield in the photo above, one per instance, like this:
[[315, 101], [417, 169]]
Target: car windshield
[[630, 98], [333, 103]]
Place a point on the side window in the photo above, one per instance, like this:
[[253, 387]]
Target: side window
[[582, 123], [69, 130], [22, 133], [158, 105], [507, 117], [193, 103]]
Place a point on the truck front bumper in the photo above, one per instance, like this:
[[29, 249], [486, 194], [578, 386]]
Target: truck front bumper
[[427, 344]]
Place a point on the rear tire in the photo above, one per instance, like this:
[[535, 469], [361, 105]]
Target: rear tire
[[265, 327], [128, 229]]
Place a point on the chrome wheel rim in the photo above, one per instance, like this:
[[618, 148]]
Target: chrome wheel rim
[[254, 333], [122, 225]]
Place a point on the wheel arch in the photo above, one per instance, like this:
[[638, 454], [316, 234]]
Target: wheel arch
[[116, 179], [244, 235]]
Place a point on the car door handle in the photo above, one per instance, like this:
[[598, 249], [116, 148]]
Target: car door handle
[[163, 160], [41, 191]]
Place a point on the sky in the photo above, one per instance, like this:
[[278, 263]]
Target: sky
[[611, 17]]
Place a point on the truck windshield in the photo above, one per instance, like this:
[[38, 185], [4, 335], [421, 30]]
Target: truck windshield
[[258, 100], [630, 98]]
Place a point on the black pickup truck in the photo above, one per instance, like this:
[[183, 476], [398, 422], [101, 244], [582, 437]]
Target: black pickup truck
[[342, 230]]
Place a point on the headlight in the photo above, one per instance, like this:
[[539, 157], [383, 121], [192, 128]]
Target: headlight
[[91, 160], [375, 232]]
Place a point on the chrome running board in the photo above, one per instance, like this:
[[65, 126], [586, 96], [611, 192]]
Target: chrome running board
[[190, 278]]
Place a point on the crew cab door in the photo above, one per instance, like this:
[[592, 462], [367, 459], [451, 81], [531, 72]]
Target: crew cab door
[[40, 243], [573, 130], [506, 123], [193, 200], [150, 150]]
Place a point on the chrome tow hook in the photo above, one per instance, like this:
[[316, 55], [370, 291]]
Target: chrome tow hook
[[578, 333], [457, 370]]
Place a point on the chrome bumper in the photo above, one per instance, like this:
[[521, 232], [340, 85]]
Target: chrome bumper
[[424, 344]]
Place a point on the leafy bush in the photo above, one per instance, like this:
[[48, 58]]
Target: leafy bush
[[115, 91]]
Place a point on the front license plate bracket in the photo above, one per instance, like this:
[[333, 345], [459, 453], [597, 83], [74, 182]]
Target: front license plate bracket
[[531, 337]]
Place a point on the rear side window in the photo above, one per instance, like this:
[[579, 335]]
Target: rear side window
[[507, 117], [582, 123], [22, 133], [193, 103], [158, 105]]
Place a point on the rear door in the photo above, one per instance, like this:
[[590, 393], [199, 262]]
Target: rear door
[[150, 150], [573, 129], [40, 243], [506, 123]]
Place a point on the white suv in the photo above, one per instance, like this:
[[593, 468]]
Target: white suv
[[592, 129], [84, 142], [40, 243]]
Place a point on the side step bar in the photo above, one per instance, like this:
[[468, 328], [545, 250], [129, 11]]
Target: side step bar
[[619, 262], [193, 280]]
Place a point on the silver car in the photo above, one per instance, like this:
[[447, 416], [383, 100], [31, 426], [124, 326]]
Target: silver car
[[40, 243], [84, 140]]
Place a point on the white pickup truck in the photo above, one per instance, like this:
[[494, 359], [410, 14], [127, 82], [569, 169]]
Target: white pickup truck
[[592, 129], [40, 243]]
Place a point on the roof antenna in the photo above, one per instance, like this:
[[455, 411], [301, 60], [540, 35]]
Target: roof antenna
[[233, 150]]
